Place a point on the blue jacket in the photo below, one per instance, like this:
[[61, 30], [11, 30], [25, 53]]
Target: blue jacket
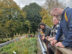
[[66, 28]]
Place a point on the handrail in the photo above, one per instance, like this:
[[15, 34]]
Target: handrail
[[64, 50], [58, 50], [42, 47], [6, 43]]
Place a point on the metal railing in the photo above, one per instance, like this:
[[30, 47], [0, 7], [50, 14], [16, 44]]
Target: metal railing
[[43, 47], [6, 43]]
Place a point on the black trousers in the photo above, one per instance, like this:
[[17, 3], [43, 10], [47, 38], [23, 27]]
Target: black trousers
[[49, 50]]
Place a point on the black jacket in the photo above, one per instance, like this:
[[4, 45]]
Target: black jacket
[[46, 31]]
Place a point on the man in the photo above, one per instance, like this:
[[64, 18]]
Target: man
[[64, 28]]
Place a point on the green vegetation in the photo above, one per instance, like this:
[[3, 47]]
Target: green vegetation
[[24, 46], [11, 19], [46, 17], [33, 16], [15, 21]]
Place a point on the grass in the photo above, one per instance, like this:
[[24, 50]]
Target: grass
[[24, 46]]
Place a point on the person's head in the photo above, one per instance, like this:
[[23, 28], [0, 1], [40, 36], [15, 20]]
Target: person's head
[[42, 26], [55, 20], [57, 11]]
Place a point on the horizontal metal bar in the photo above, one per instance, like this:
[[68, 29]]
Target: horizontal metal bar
[[42, 47]]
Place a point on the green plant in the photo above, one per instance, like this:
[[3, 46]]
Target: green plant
[[24, 46]]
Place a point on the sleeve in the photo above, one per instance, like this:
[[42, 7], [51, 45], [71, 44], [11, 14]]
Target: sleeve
[[68, 39], [59, 32], [47, 32]]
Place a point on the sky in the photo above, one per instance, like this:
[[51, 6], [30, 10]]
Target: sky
[[22, 3], [66, 2]]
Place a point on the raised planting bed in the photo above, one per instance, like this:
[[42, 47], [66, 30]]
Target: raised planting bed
[[24, 46]]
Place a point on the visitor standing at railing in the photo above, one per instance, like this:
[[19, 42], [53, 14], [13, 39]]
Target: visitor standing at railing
[[45, 31], [54, 30], [53, 33], [64, 28]]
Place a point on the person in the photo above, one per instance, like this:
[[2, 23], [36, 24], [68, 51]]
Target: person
[[45, 30], [45, 34], [65, 27], [53, 33], [54, 29]]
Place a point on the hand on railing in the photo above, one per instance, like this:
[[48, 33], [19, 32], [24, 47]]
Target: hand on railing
[[43, 37], [59, 44], [53, 42]]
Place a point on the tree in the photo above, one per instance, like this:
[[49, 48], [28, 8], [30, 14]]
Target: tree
[[50, 4], [33, 16], [11, 18], [46, 17]]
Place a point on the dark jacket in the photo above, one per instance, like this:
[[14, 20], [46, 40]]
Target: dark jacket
[[46, 31], [66, 28]]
